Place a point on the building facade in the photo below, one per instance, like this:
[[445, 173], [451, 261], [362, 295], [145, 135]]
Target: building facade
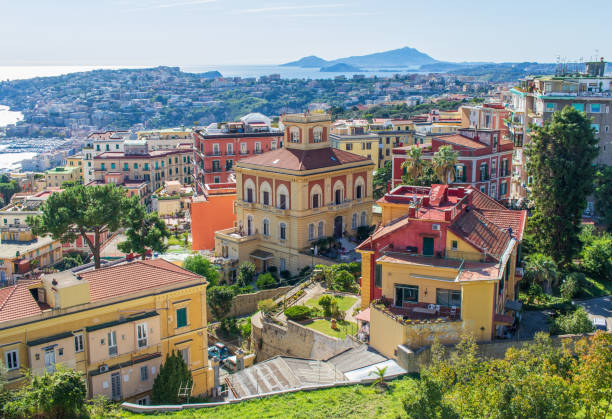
[[115, 325], [54, 178], [442, 263], [289, 198], [485, 160], [365, 145]]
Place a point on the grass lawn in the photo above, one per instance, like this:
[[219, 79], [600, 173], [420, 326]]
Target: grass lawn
[[594, 288], [324, 326], [344, 303], [345, 402]]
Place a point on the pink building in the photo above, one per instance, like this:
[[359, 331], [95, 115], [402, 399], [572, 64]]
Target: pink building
[[485, 160]]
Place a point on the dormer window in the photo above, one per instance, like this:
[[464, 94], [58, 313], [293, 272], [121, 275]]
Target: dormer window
[[294, 135], [317, 135]]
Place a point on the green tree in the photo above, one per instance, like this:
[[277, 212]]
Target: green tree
[[381, 179], [325, 302], [597, 256], [266, 281], [246, 273], [200, 265], [560, 161], [145, 231], [444, 162], [344, 281], [8, 188], [541, 269], [577, 321], [172, 375], [81, 211], [220, 299], [414, 165], [594, 375], [603, 195], [379, 381]]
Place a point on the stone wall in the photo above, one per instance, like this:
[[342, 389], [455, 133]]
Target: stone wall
[[272, 339], [245, 304]]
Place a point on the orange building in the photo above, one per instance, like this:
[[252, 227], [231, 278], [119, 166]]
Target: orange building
[[212, 212]]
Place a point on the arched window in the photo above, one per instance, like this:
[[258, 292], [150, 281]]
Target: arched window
[[317, 135], [265, 194], [282, 197], [363, 218], [354, 221], [282, 231], [321, 229], [359, 188], [249, 225], [294, 135], [249, 190], [338, 192], [311, 229], [266, 227], [315, 197]]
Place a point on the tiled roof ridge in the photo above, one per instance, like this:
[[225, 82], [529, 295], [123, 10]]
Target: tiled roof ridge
[[476, 192], [185, 271], [8, 297]]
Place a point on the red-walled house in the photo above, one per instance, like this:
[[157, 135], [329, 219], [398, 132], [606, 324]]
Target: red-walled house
[[218, 149], [485, 160]]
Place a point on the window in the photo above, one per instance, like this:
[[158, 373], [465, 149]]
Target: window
[[550, 107], [230, 148], [112, 165], [216, 151], [294, 134], [368, 146], [595, 127], [216, 165], [406, 294], [578, 106], [257, 147], [217, 179], [454, 245], [146, 166], [363, 218], [358, 192], [112, 343], [273, 145], [144, 373], [349, 147], [266, 198], [185, 355], [378, 276], [243, 148], [249, 195], [283, 264], [493, 167], [78, 343], [317, 135], [125, 166], [338, 196], [266, 227], [311, 231], [11, 360], [141, 334], [144, 401], [321, 229], [315, 200], [595, 107], [354, 222], [363, 146], [282, 231], [503, 188], [607, 129], [448, 298], [229, 164], [460, 173], [181, 317], [249, 225], [494, 141]]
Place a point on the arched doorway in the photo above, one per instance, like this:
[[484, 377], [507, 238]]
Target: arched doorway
[[338, 226]]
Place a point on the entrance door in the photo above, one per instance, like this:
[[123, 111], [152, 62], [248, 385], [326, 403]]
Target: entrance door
[[116, 386], [338, 226], [50, 360], [428, 246]]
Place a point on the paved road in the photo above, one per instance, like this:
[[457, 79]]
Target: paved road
[[599, 307]]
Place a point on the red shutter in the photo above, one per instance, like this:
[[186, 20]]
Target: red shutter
[[310, 135], [324, 134]]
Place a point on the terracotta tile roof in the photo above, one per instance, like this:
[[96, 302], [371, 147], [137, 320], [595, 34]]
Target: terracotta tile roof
[[382, 231], [508, 218], [483, 201], [133, 277], [292, 159], [17, 302], [462, 141], [481, 233]]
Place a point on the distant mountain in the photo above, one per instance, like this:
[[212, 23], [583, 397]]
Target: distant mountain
[[402, 57], [340, 68], [312, 61], [210, 75]]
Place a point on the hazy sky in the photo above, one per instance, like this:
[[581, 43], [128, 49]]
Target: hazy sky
[[208, 32]]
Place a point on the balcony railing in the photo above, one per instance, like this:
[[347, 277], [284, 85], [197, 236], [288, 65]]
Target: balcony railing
[[258, 151], [417, 312]]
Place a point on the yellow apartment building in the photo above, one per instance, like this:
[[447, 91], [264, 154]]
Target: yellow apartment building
[[21, 252], [365, 145], [166, 139], [442, 263], [392, 133], [54, 178], [76, 161], [289, 198], [115, 325]]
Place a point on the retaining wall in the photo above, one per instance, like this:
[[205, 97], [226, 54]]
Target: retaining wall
[[244, 304]]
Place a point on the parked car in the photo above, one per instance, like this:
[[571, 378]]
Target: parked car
[[219, 350], [600, 323]]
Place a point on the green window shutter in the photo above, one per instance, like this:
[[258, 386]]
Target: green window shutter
[[378, 276], [181, 317]]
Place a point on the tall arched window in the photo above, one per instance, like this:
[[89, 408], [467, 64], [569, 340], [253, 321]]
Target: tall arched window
[[359, 188], [311, 229], [316, 195], [294, 135], [266, 227], [363, 218], [282, 231], [249, 191], [317, 135], [282, 197], [321, 229], [249, 225], [354, 221], [265, 194], [338, 192]]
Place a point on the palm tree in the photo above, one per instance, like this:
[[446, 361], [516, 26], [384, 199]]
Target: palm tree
[[380, 377], [444, 162], [542, 269], [414, 163]]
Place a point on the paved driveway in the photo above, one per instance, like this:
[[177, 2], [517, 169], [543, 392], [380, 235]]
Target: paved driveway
[[531, 323], [599, 307]]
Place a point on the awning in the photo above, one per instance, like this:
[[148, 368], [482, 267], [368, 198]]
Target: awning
[[261, 254], [514, 305], [501, 319], [364, 315]]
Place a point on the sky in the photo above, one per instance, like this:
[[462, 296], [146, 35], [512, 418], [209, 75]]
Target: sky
[[249, 32]]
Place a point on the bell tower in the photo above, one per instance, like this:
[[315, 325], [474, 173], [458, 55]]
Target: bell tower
[[307, 131]]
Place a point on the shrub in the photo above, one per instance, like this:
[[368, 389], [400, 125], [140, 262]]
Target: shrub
[[325, 302], [304, 270], [344, 281], [575, 322], [246, 273], [570, 287], [285, 274], [298, 312], [274, 271], [266, 281], [597, 257], [363, 232], [229, 327], [266, 306], [245, 328]]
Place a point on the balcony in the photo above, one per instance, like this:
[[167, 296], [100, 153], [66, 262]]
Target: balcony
[[244, 153], [214, 154], [258, 151], [235, 235]]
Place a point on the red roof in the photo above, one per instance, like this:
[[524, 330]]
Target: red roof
[[298, 160], [17, 302], [481, 233], [462, 141]]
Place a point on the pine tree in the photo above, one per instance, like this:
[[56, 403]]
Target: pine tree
[[173, 374]]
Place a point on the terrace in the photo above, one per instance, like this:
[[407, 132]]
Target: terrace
[[417, 312]]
